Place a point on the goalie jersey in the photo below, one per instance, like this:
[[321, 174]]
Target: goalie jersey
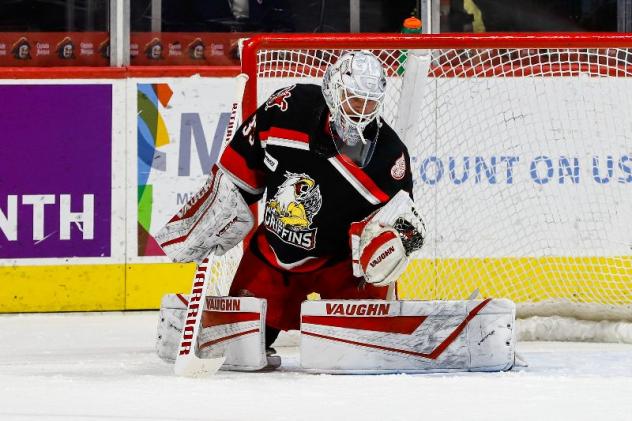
[[312, 192]]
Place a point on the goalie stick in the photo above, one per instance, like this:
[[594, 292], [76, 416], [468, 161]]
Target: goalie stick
[[187, 361]]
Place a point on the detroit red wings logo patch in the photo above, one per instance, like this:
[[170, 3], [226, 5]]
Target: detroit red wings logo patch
[[399, 168], [280, 99]]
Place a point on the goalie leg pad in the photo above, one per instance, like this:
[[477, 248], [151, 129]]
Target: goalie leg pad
[[173, 310], [215, 219], [375, 336], [233, 327]]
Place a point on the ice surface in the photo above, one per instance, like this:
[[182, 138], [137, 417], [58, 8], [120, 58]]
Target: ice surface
[[102, 366]]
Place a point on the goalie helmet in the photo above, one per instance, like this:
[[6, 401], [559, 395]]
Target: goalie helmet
[[354, 88]]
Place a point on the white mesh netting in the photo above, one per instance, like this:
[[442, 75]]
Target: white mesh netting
[[223, 270], [522, 164]]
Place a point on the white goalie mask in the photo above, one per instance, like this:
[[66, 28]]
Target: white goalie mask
[[354, 89]]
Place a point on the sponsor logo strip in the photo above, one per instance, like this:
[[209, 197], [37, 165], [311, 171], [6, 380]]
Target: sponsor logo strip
[[218, 318], [223, 304]]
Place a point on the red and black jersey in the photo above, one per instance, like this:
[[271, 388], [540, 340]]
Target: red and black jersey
[[312, 192]]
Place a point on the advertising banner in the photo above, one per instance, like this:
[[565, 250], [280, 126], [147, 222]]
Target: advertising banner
[[180, 129], [55, 171], [185, 48], [517, 168], [54, 49]]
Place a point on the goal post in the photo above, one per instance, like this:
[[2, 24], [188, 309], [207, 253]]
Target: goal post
[[521, 148]]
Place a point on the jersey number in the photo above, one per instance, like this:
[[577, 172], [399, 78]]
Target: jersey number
[[249, 130]]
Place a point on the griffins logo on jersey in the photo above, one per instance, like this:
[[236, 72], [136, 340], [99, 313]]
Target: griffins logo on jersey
[[280, 99], [290, 212]]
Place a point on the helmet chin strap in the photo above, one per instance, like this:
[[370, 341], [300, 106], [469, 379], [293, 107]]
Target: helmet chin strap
[[361, 135]]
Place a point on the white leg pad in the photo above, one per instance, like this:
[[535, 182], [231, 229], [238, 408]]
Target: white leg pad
[[375, 336], [173, 311], [231, 326], [235, 327]]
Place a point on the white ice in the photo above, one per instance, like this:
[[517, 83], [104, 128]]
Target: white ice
[[102, 366]]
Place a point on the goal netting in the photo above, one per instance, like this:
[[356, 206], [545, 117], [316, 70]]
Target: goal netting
[[521, 148]]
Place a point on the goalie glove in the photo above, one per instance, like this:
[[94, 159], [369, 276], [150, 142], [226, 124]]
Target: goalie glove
[[382, 242]]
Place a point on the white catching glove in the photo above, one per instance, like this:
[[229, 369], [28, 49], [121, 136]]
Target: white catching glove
[[215, 219], [382, 242]]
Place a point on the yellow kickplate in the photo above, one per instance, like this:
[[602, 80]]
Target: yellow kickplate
[[90, 287]]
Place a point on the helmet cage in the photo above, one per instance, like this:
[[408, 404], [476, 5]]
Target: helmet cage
[[358, 108], [354, 88]]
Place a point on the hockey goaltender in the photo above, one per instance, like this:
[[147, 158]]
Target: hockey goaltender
[[339, 220]]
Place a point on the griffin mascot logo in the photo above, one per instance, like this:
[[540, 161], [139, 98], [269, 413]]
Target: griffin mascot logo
[[290, 212]]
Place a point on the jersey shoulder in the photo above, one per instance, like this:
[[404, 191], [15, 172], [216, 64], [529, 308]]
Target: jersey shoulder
[[297, 107], [391, 162], [389, 142], [294, 99]]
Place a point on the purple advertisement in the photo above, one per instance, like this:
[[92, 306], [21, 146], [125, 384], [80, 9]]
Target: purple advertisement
[[55, 170]]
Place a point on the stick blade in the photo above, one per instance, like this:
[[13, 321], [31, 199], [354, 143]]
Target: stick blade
[[197, 367]]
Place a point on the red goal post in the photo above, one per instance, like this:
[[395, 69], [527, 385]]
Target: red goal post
[[521, 149]]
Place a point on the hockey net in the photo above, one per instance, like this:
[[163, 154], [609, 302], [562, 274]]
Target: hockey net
[[521, 148]]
